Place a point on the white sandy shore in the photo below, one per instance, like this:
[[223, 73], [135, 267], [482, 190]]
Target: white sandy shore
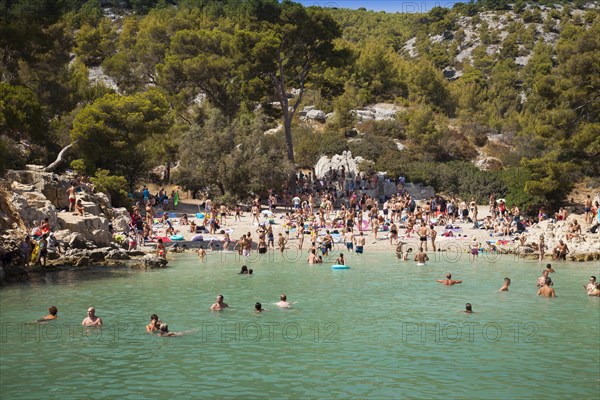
[[459, 243]]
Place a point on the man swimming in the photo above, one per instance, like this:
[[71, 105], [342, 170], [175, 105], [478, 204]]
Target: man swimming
[[219, 305], [448, 281], [91, 319], [591, 286], [53, 311], [283, 303], [340, 260], [546, 290], [421, 257], [468, 308], [258, 307], [505, 285]]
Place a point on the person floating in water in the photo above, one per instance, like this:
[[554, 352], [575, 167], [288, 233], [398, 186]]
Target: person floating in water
[[53, 311], [91, 319], [468, 308], [421, 257], [448, 281], [258, 307], [244, 270], [340, 260], [219, 305], [164, 331], [505, 285]]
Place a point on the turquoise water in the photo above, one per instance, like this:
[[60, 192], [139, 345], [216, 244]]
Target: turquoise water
[[383, 329]]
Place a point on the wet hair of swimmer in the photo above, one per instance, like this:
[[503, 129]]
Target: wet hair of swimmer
[[448, 276], [258, 306], [244, 269], [250, 271], [468, 307], [283, 297], [53, 310], [507, 280], [154, 317], [164, 328]]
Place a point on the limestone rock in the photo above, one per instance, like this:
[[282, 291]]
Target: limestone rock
[[83, 261], [150, 261], [121, 219], [336, 163], [33, 206], [52, 186], [117, 254], [92, 228], [316, 115]]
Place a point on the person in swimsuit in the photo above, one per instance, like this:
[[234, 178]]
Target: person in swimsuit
[[423, 236], [219, 305], [505, 285], [546, 290], [154, 324], [72, 197], [421, 257], [449, 281], [360, 244], [340, 260], [91, 319], [53, 311]]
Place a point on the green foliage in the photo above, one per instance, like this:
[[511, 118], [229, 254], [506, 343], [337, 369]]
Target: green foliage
[[94, 44], [310, 145], [120, 125], [20, 113], [235, 157], [81, 168], [115, 186]]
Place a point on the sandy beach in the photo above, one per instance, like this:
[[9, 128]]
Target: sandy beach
[[459, 242]]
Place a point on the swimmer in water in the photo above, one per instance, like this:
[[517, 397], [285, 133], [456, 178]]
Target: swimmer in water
[[164, 331], [91, 319], [219, 305], [258, 307], [505, 285], [284, 303], [244, 270], [340, 260], [549, 268], [546, 290], [53, 311], [421, 257], [154, 324], [468, 308], [448, 281], [202, 254]]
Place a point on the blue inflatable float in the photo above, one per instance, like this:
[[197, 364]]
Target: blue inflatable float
[[337, 266]]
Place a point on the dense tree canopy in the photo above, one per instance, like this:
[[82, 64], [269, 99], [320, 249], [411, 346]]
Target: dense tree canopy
[[141, 82]]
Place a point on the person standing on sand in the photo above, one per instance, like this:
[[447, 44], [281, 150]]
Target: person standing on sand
[[423, 236], [432, 235]]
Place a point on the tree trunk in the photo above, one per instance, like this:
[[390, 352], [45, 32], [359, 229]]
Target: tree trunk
[[59, 159]]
